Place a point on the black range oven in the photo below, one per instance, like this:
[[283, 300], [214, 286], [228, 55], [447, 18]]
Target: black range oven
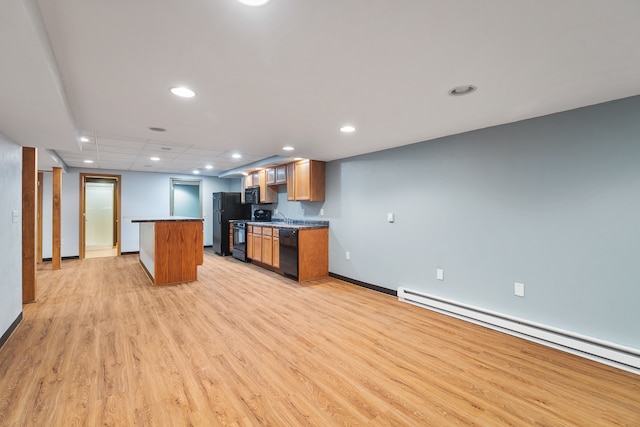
[[240, 241]]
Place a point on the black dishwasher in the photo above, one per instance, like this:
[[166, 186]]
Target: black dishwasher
[[289, 252]]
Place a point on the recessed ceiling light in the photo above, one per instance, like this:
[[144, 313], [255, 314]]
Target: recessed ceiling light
[[84, 139], [183, 92], [208, 167], [155, 129], [288, 148], [462, 90], [347, 129], [254, 2], [88, 161], [155, 159], [236, 156], [297, 158], [196, 171]]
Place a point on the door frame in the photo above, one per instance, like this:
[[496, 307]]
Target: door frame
[[183, 181], [82, 213]]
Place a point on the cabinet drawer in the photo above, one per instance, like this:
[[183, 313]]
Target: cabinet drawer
[[267, 231], [257, 230]]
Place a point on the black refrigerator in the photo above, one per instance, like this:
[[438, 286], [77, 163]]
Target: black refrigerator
[[226, 206]]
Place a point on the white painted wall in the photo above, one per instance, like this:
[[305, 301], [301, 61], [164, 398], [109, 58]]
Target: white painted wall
[[10, 233], [143, 194]]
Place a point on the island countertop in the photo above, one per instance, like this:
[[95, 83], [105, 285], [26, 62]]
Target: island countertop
[[163, 219]]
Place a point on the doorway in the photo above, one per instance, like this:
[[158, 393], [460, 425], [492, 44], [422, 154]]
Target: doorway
[[100, 215], [186, 197]]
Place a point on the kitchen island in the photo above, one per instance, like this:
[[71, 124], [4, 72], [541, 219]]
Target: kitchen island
[[171, 248]]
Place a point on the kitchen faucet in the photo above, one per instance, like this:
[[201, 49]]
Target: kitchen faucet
[[286, 220]]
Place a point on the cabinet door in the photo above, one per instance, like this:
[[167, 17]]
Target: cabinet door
[[267, 194], [267, 249], [255, 179], [281, 174], [301, 174], [230, 237], [291, 183], [249, 245], [271, 176], [276, 251], [257, 247]]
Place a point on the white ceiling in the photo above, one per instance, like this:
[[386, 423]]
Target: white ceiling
[[293, 72]]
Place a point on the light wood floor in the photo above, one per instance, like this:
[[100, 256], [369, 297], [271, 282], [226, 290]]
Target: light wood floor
[[245, 347], [100, 251]]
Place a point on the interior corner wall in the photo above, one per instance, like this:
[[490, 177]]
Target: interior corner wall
[[143, 194], [10, 233], [552, 202]]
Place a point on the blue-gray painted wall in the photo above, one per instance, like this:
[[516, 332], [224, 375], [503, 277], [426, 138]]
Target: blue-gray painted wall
[[10, 234], [552, 202]]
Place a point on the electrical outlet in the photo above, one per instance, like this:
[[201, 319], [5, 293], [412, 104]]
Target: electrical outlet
[[322, 212], [518, 289], [439, 274], [347, 255]]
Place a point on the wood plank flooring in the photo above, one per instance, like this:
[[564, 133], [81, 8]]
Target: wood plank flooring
[[243, 346]]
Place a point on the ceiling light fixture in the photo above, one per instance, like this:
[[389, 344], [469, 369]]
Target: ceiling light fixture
[[87, 161], [183, 92], [288, 148], [196, 171], [155, 159], [347, 129], [84, 139], [254, 2], [236, 156], [209, 167], [462, 90]]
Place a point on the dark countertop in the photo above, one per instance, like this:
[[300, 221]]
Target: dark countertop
[[297, 224]]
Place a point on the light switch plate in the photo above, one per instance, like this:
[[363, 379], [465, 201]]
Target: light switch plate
[[15, 216], [390, 217], [518, 289], [439, 274]]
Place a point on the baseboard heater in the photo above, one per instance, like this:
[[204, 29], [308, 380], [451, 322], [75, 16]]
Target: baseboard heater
[[622, 357]]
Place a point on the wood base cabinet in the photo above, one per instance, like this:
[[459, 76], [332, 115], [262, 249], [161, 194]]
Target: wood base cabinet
[[313, 254], [263, 248]]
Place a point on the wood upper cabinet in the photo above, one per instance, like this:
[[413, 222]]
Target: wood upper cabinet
[[277, 175], [252, 180], [291, 185], [281, 174], [270, 176], [306, 181], [267, 194]]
